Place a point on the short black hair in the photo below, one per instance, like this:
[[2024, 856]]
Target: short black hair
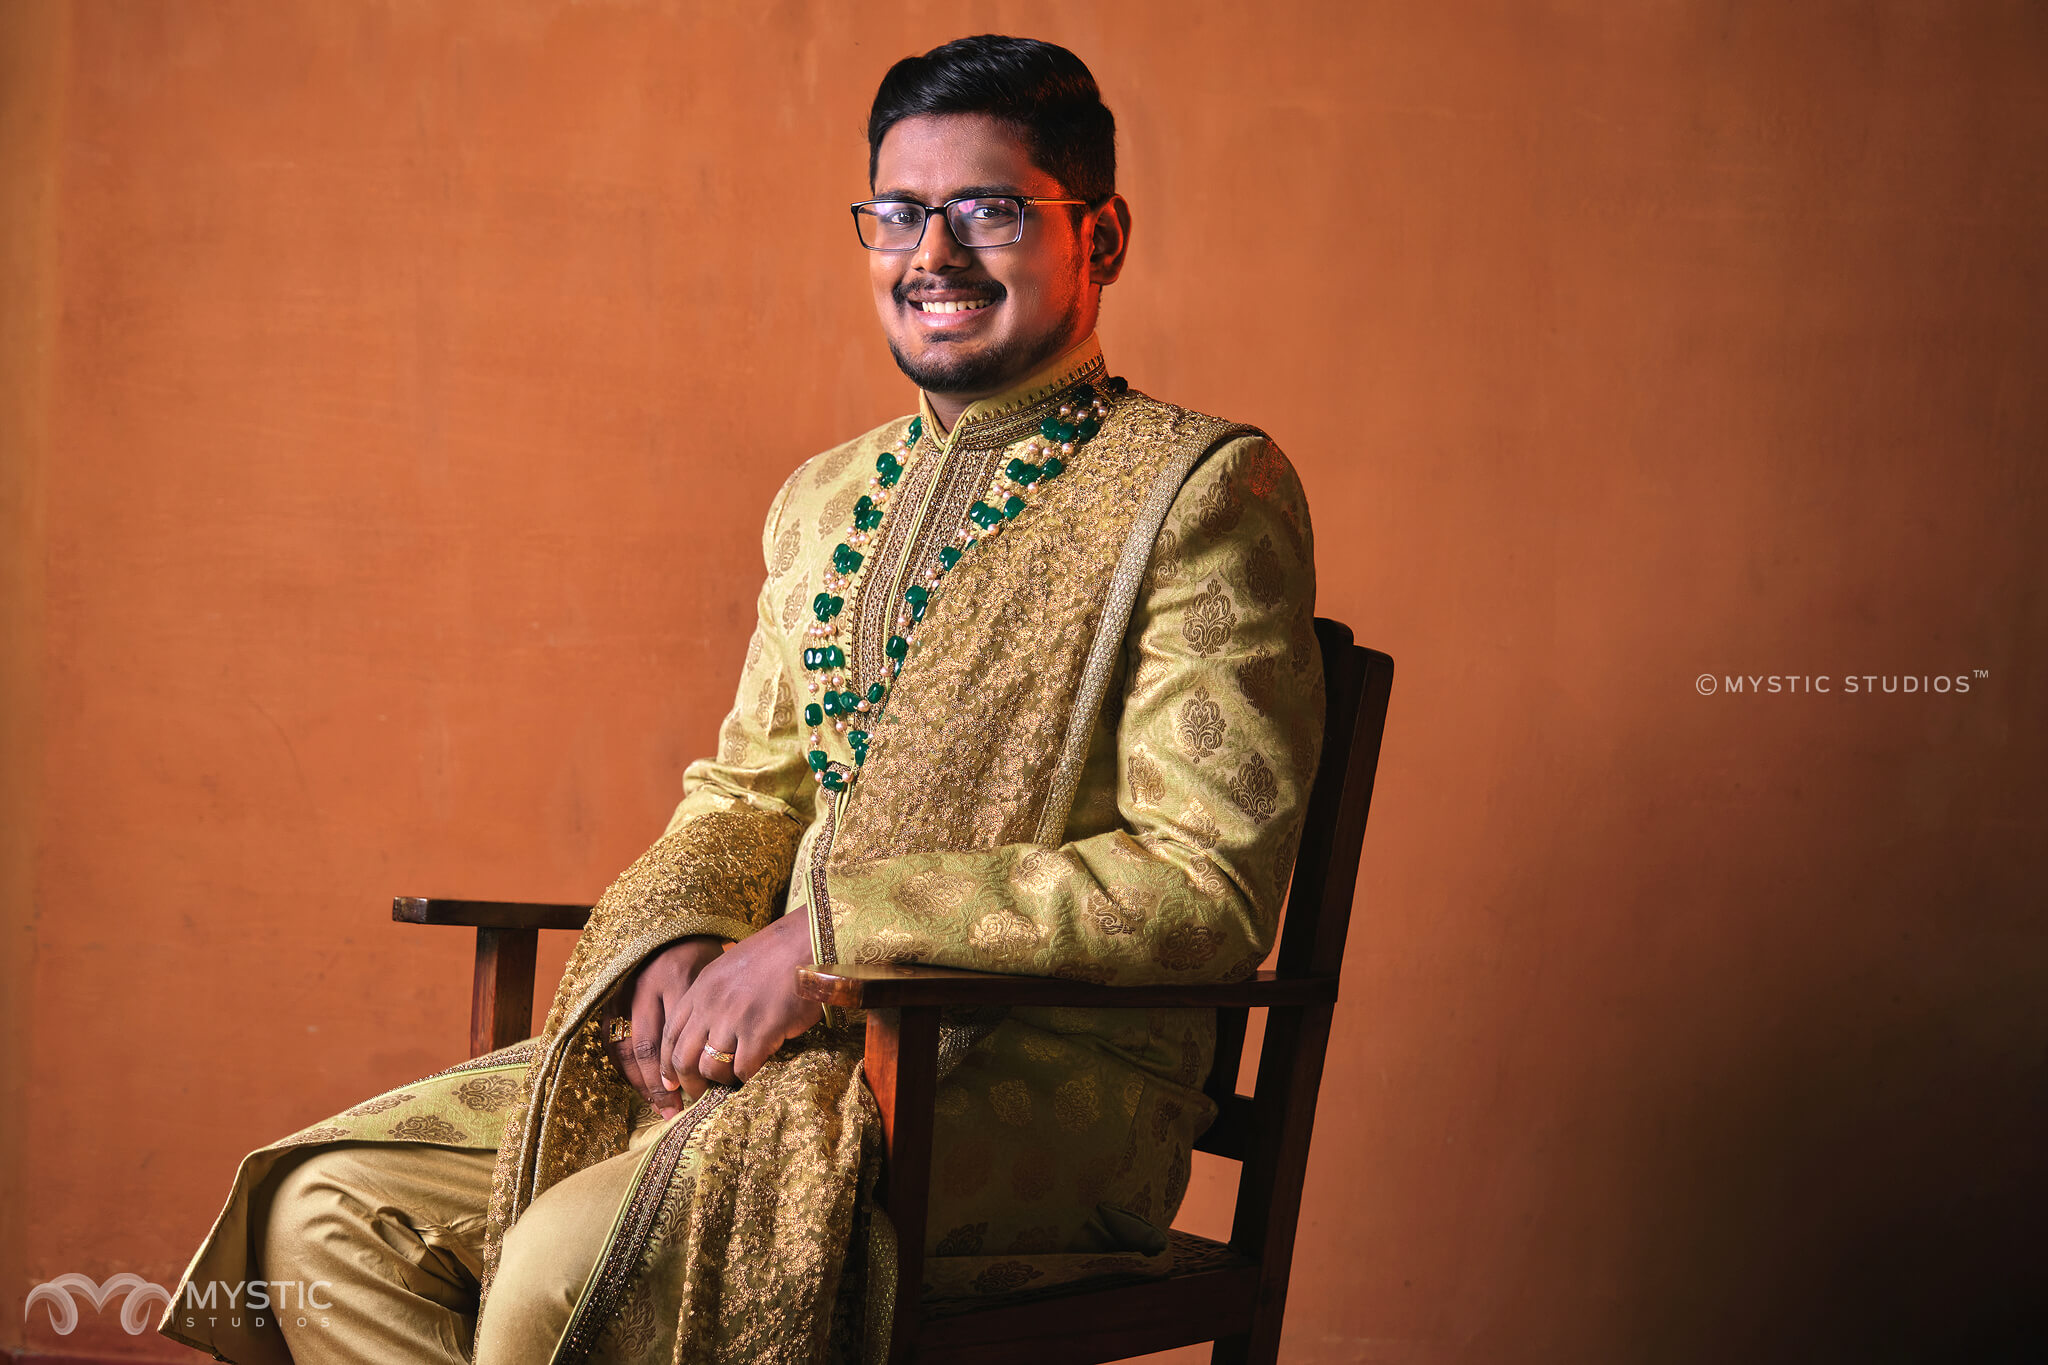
[[1042, 89]]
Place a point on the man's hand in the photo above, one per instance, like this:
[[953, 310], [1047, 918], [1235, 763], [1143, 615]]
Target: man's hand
[[744, 1004], [654, 996]]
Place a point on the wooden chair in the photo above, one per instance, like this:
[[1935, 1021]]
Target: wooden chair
[[1232, 1293]]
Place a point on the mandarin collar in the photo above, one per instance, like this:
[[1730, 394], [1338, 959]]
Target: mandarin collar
[[1081, 361]]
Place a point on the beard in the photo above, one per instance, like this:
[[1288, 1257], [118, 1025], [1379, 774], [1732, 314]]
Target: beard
[[949, 367]]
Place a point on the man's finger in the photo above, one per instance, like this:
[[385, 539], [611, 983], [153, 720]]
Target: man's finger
[[718, 1066], [688, 1057], [752, 1053], [671, 1034], [646, 1047]]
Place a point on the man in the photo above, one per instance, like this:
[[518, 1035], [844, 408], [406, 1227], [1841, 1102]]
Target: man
[[1033, 688]]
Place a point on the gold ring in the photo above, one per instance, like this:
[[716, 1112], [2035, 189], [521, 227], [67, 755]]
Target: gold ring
[[619, 1030], [715, 1055]]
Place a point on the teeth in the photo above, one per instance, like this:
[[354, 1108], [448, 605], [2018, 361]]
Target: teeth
[[952, 305]]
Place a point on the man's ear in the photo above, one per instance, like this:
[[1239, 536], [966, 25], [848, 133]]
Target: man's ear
[[1109, 241]]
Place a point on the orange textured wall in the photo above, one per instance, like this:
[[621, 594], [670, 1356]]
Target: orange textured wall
[[393, 392]]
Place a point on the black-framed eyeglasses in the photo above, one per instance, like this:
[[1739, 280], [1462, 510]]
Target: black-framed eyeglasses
[[978, 221]]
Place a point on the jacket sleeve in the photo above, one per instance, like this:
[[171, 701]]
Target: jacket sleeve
[[1215, 745], [722, 865]]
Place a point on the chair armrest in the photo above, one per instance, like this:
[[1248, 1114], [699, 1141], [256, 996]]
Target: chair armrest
[[489, 914], [890, 986]]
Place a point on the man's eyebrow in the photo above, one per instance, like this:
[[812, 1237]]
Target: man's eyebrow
[[964, 192]]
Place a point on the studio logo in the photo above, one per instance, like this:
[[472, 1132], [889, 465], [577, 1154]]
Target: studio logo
[[256, 1303], [57, 1296]]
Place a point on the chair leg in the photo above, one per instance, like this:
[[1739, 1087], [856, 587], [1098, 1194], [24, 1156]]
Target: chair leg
[[1234, 1351], [902, 1070], [501, 999]]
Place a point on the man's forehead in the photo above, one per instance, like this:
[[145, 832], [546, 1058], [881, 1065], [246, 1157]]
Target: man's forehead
[[933, 157]]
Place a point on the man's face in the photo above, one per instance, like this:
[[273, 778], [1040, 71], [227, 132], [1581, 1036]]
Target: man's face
[[1024, 303]]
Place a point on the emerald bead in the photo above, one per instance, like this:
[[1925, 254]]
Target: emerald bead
[[1012, 505], [846, 559], [897, 647], [876, 692], [814, 715], [835, 657], [1050, 429], [832, 782], [1053, 468], [857, 738], [916, 427], [1086, 428], [1081, 395], [831, 703], [849, 702], [916, 593], [866, 516], [811, 657], [917, 611], [949, 556], [818, 759]]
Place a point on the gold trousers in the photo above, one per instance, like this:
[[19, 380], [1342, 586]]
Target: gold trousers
[[396, 1230]]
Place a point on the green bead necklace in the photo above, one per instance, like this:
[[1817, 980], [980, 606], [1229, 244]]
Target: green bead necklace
[[849, 709]]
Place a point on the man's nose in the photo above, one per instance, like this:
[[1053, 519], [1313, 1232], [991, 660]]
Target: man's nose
[[939, 251]]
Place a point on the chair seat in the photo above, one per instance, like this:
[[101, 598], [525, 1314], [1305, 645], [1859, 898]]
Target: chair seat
[[1192, 1255]]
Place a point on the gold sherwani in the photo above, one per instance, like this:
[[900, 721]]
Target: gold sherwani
[[1093, 763]]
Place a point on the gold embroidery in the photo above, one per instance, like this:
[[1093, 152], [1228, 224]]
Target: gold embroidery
[[1004, 935], [1011, 1101], [964, 1240], [1208, 621], [931, 895], [1165, 559], [329, 1133], [1255, 790], [427, 1128], [1152, 670], [784, 714], [382, 1102], [1187, 946], [1264, 469], [1006, 1276], [794, 605], [835, 515], [1257, 679], [1078, 1103], [1199, 824], [1264, 579], [1109, 917], [488, 1092], [786, 547], [1040, 872], [1301, 644], [893, 945], [732, 741], [1200, 728], [960, 708], [1220, 507], [833, 463], [1148, 785]]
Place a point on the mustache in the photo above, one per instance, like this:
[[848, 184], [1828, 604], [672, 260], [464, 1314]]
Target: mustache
[[977, 289]]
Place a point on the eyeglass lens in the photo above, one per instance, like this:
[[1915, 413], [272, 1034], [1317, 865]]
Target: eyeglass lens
[[899, 226]]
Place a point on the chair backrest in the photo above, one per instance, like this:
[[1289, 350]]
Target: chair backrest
[[1356, 684]]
